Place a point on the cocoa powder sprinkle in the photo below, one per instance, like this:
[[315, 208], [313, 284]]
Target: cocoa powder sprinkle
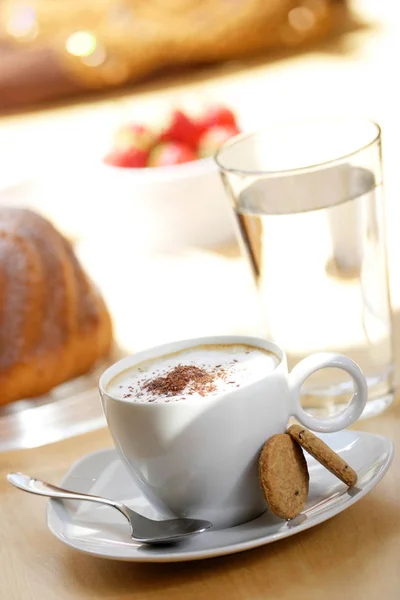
[[181, 378]]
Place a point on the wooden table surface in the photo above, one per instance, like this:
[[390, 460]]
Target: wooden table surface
[[353, 555]]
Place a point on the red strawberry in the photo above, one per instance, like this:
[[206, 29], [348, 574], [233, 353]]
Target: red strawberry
[[170, 153], [130, 158], [133, 136], [181, 128], [213, 138], [217, 115]]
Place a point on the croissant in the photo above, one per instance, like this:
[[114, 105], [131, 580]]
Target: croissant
[[54, 325]]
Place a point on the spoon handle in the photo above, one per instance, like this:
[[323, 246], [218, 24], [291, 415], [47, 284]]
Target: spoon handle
[[42, 488]]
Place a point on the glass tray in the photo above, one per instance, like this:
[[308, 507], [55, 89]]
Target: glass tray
[[70, 409]]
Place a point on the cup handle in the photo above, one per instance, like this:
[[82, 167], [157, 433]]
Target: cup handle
[[314, 363]]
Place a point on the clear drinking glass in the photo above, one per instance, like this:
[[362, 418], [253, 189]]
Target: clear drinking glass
[[309, 207]]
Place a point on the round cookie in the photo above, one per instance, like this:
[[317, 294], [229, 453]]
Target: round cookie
[[323, 454], [284, 476]]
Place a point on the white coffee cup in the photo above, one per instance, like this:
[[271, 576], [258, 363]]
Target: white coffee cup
[[200, 459]]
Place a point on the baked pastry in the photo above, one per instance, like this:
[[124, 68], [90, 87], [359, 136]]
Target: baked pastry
[[323, 454], [54, 324], [284, 476]]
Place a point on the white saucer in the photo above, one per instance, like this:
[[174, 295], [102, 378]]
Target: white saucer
[[102, 531]]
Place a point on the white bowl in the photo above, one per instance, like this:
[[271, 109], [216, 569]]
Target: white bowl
[[152, 209], [164, 208]]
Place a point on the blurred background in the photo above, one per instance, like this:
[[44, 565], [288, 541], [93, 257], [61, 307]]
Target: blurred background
[[72, 71]]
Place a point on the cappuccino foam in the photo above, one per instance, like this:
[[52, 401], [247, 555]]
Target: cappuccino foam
[[193, 373]]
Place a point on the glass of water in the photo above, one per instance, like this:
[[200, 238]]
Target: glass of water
[[310, 214]]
